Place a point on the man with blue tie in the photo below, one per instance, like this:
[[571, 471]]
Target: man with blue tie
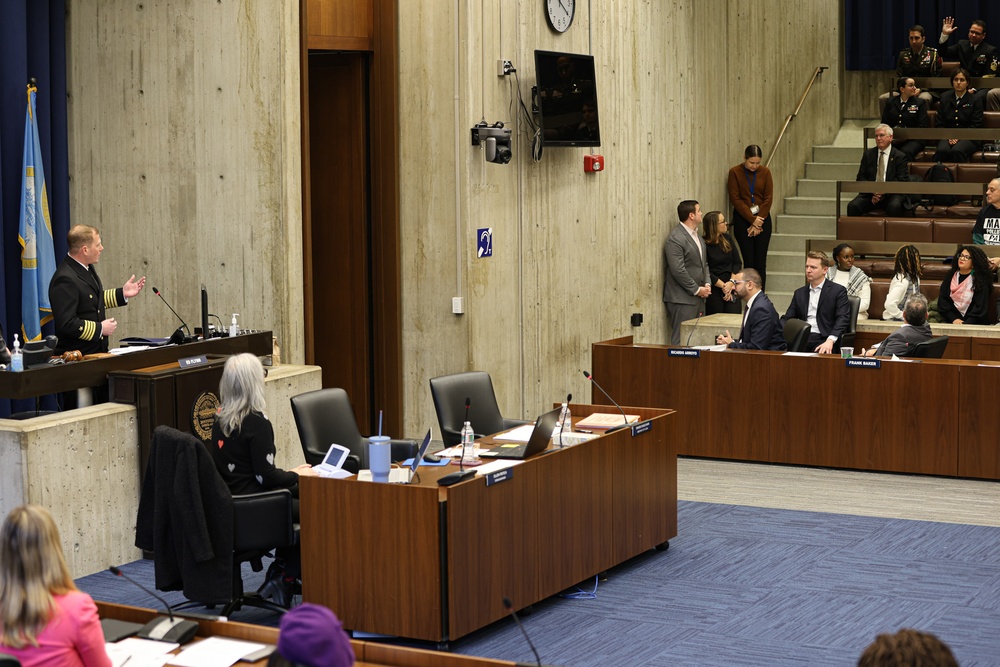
[[822, 303], [687, 284], [761, 328]]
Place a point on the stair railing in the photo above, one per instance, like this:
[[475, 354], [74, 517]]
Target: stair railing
[[813, 79]]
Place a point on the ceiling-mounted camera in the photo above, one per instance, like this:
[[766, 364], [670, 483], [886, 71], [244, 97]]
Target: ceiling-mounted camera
[[496, 138]]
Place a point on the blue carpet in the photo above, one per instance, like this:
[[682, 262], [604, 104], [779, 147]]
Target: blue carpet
[[747, 586]]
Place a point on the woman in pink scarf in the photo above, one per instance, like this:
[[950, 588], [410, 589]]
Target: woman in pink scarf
[[965, 292]]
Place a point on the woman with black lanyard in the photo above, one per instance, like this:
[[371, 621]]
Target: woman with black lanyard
[[750, 193]]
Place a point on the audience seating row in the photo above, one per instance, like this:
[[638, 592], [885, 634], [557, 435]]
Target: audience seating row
[[905, 230]]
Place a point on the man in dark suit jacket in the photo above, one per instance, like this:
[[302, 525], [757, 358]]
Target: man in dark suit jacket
[[822, 303], [896, 169], [78, 298], [914, 330], [975, 55], [761, 328], [687, 283]]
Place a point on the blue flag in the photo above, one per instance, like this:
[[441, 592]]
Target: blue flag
[[38, 258]]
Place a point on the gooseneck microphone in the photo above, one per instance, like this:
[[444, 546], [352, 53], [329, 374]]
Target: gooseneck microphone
[[174, 630], [509, 606], [691, 333], [183, 323], [624, 418]]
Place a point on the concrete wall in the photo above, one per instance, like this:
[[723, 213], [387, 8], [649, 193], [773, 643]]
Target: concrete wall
[[683, 87], [185, 152], [184, 123]]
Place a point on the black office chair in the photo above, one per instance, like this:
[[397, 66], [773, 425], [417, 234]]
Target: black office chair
[[7, 660], [184, 496], [449, 393], [930, 349], [847, 338], [325, 417], [796, 334]]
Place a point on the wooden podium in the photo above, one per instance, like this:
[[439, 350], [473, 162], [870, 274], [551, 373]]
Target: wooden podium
[[435, 563]]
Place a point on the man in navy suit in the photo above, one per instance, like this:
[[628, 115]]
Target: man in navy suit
[[822, 303], [761, 328], [880, 164], [687, 284]]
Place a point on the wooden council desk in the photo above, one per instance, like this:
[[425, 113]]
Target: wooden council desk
[[932, 417], [367, 654], [434, 563]]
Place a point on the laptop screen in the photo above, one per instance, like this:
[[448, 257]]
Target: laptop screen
[[335, 456], [420, 453]]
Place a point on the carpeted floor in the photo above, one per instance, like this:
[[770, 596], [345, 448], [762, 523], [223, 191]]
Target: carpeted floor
[[751, 586]]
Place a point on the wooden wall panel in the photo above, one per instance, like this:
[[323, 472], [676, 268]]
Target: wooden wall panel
[[341, 24], [184, 151], [683, 88]]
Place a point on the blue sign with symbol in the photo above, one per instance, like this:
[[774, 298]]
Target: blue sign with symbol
[[485, 242]]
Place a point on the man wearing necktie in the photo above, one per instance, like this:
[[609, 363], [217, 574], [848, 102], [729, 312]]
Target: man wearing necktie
[[78, 298], [881, 164], [761, 329]]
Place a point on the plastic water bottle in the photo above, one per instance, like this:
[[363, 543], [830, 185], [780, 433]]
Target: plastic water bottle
[[565, 424], [468, 446], [16, 358]]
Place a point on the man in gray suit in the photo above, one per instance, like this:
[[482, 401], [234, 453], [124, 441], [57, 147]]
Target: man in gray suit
[[687, 283]]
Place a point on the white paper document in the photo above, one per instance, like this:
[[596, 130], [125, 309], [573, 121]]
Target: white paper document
[[214, 652], [519, 434], [139, 652]]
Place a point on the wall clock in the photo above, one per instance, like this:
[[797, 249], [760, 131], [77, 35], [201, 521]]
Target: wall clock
[[560, 14]]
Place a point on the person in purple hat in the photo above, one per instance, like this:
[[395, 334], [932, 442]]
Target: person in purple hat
[[311, 636]]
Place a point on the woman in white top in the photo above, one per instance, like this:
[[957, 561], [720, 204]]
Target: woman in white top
[[857, 282], [905, 281]]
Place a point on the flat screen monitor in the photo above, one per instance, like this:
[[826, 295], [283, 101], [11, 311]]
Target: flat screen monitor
[[567, 99]]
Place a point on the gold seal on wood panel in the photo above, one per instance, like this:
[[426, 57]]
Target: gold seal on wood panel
[[203, 412]]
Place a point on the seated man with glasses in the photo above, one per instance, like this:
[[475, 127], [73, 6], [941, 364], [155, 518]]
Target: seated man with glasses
[[915, 330], [975, 54], [761, 329]]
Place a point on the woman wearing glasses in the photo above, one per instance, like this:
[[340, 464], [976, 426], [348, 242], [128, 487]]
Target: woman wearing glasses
[[750, 192], [965, 292], [723, 262]]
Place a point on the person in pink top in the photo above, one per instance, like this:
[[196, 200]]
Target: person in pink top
[[44, 619]]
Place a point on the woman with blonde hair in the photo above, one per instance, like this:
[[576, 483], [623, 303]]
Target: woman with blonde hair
[[44, 619]]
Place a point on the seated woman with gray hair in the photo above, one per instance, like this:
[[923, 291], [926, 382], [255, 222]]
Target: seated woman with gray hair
[[243, 448]]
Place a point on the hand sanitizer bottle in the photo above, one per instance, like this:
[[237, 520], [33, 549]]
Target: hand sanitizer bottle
[[16, 358]]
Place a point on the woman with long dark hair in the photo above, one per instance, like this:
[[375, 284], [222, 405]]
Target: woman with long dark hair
[[44, 619], [723, 262], [750, 192], [905, 282], [965, 291]]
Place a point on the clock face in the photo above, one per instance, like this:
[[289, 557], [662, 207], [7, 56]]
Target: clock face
[[560, 14]]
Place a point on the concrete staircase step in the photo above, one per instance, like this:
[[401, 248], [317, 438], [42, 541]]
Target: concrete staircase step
[[839, 154], [794, 242], [810, 205], [811, 226], [809, 187], [831, 172], [785, 262]]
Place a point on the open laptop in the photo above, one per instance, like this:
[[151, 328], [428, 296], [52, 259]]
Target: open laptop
[[536, 444], [402, 475]]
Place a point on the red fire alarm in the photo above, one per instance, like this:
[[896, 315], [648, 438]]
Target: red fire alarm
[[592, 163]]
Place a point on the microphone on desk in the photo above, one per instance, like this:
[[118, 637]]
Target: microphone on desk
[[173, 630], [696, 321], [624, 418], [183, 323], [509, 606]]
